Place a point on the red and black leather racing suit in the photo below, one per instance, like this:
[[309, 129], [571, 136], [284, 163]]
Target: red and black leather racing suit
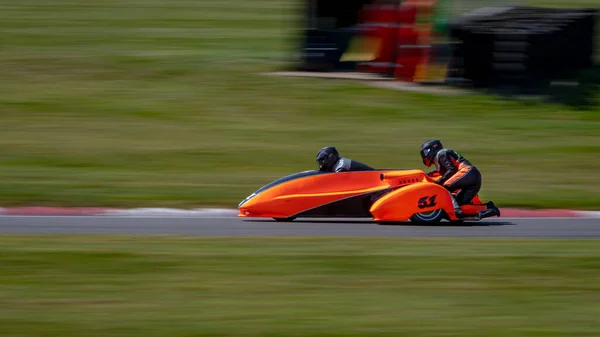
[[457, 173]]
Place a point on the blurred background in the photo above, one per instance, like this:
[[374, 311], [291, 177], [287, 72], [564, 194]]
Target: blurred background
[[198, 103], [146, 103]]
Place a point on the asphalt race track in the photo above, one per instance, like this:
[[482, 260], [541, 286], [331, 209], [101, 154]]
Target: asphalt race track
[[227, 226]]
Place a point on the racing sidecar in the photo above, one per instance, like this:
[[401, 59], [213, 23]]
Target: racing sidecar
[[383, 195]]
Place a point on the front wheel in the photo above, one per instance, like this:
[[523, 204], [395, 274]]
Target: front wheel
[[428, 218]]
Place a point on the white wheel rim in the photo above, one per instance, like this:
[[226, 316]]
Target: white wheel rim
[[427, 216]]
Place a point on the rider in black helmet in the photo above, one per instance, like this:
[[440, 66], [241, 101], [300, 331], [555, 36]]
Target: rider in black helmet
[[329, 160], [456, 172]]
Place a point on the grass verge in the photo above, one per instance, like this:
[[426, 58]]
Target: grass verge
[[175, 286]]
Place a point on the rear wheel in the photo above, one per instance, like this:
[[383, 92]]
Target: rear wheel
[[428, 217]]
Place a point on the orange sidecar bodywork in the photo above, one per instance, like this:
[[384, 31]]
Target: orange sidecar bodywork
[[384, 195]]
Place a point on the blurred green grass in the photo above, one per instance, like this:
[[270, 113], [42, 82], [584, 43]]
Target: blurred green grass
[[176, 286], [148, 103]]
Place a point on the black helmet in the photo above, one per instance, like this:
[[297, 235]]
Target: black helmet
[[327, 157], [429, 150]]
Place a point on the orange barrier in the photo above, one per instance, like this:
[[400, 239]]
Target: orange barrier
[[379, 23], [402, 48]]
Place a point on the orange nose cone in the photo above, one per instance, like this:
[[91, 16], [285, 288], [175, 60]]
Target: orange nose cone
[[244, 212], [248, 206]]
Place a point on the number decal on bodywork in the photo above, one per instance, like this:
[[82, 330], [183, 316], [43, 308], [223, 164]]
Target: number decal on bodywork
[[427, 201]]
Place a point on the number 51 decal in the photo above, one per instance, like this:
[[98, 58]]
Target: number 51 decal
[[427, 201]]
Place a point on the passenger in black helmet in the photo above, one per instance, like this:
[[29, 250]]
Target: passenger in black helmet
[[456, 172], [329, 160]]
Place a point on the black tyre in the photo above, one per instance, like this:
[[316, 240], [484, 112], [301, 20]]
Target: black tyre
[[290, 219], [428, 218]]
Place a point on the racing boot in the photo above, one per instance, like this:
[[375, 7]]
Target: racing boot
[[491, 210], [459, 213]]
